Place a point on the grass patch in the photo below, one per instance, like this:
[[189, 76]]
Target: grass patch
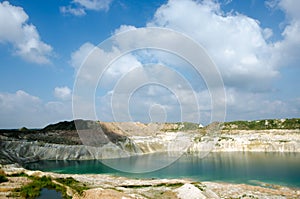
[[188, 126], [293, 123], [134, 186], [179, 184], [200, 186], [73, 184], [284, 141], [22, 174], [33, 189], [225, 138]]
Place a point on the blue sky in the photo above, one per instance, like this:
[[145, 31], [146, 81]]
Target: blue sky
[[254, 44]]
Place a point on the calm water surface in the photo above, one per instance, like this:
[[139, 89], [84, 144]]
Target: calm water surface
[[49, 194], [237, 167]]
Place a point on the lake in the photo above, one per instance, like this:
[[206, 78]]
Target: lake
[[235, 167]]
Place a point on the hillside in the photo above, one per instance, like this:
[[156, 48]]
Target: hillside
[[101, 140], [293, 123]]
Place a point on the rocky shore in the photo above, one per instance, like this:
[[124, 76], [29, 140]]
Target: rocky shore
[[101, 140], [62, 142], [112, 187]]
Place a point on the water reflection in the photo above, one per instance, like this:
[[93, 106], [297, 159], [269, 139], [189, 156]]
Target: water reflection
[[249, 167]]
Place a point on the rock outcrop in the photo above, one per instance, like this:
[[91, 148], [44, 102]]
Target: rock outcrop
[[107, 186], [99, 140]]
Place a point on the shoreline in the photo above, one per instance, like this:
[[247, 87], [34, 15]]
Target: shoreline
[[111, 186]]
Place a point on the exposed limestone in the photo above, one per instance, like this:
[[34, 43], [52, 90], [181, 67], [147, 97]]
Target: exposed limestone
[[102, 193], [192, 142], [190, 191], [273, 140], [106, 186], [115, 140]]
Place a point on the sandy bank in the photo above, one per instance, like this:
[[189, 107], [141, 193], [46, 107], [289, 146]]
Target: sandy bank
[[108, 186]]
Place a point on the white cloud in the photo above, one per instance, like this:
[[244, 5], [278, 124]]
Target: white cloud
[[235, 42], [78, 57], [94, 4], [15, 29], [63, 93], [249, 62], [267, 33], [78, 7], [73, 11], [287, 50], [124, 28], [22, 109], [126, 73], [243, 105], [95, 63], [291, 8]]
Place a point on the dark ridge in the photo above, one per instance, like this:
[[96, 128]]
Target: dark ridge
[[65, 125]]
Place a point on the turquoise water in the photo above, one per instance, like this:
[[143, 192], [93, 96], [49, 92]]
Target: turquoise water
[[236, 167]]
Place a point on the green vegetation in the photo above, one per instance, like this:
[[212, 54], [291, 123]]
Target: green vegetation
[[3, 177], [197, 139], [24, 129], [180, 126], [188, 126], [200, 186], [33, 189], [66, 125], [263, 124], [136, 186], [175, 185], [225, 138], [73, 184], [22, 174]]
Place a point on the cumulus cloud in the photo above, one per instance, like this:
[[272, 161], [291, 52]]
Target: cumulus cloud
[[15, 29], [286, 51], [243, 105], [239, 46], [89, 60], [291, 8], [79, 56], [79, 7], [63, 93], [235, 42], [22, 109]]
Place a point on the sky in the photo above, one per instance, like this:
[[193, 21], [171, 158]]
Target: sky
[[254, 45]]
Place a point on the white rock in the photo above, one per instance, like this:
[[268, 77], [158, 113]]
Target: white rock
[[189, 191]]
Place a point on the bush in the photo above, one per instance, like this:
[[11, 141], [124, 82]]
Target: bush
[[33, 189], [73, 184], [293, 123], [3, 178]]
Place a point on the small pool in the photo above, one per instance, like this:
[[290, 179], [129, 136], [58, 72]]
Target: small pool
[[49, 194]]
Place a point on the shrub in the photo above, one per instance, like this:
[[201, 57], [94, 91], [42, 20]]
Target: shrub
[[3, 178], [73, 184], [33, 189]]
